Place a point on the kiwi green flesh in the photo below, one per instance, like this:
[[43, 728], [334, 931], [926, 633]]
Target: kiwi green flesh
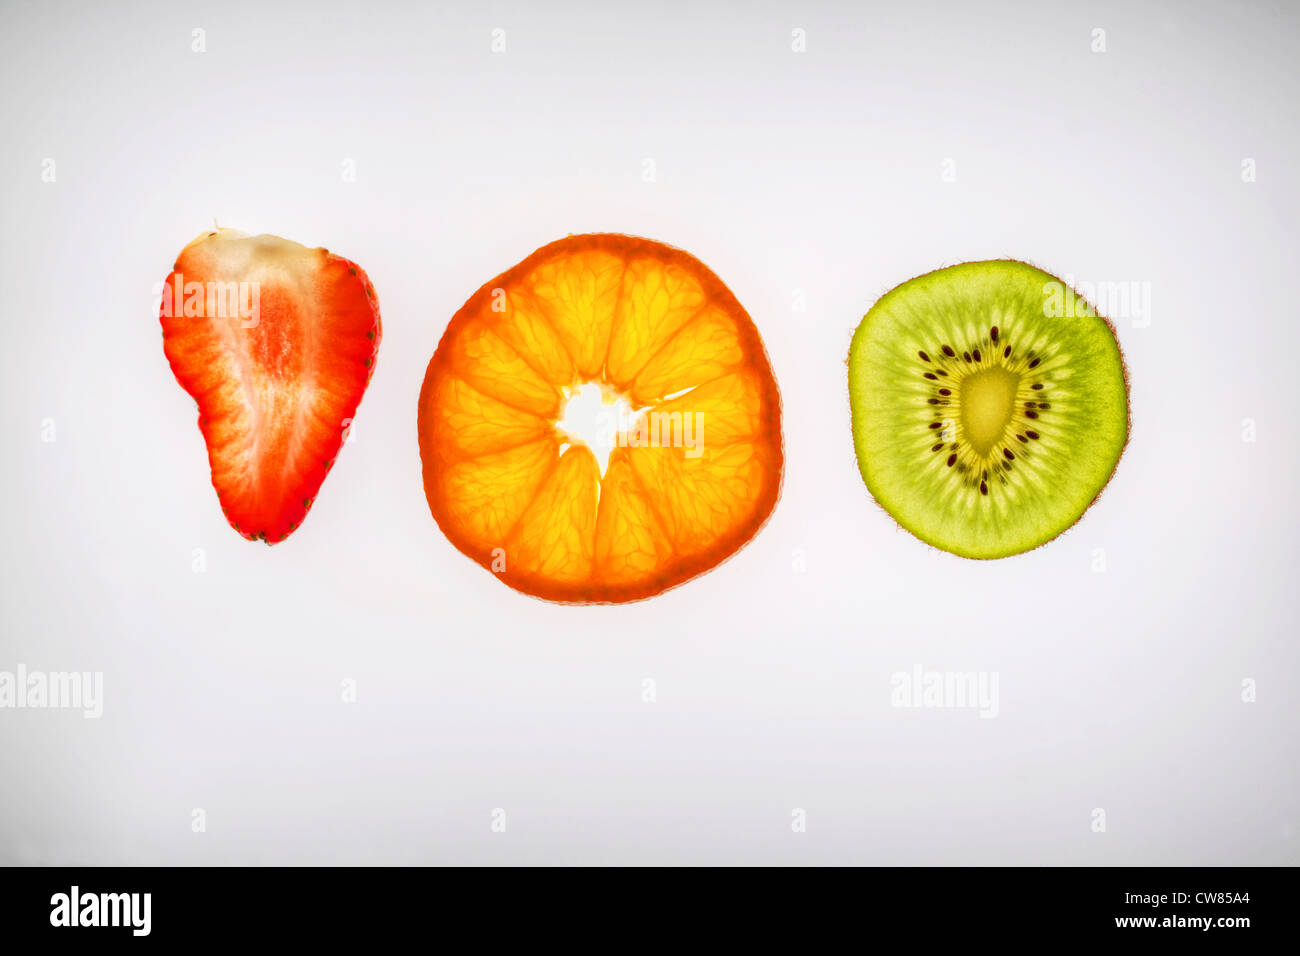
[[985, 421]]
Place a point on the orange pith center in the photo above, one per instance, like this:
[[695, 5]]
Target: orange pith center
[[599, 416]]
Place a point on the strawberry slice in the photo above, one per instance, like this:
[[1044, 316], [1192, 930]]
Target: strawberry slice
[[276, 342]]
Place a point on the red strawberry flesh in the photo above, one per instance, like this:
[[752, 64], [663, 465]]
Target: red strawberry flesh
[[276, 342]]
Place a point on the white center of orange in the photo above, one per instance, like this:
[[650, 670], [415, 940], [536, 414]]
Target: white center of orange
[[593, 415]]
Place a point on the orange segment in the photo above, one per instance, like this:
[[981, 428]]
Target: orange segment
[[472, 424], [694, 476], [578, 291], [657, 299], [554, 539], [521, 322], [702, 500], [481, 499], [631, 544], [717, 414], [487, 361], [706, 348]]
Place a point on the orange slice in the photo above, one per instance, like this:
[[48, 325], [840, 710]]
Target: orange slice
[[691, 476]]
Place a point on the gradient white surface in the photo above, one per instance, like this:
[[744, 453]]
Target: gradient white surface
[[818, 171]]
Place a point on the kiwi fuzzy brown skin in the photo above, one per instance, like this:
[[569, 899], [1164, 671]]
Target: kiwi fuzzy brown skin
[[1128, 408]]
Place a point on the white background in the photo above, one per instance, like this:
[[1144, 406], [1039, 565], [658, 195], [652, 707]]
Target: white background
[[817, 171]]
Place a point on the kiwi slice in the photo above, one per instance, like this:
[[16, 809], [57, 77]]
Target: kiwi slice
[[985, 420]]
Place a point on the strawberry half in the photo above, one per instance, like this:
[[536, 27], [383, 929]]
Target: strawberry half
[[276, 342]]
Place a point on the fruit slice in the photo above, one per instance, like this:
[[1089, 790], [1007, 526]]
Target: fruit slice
[[692, 474], [276, 342], [990, 406]]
